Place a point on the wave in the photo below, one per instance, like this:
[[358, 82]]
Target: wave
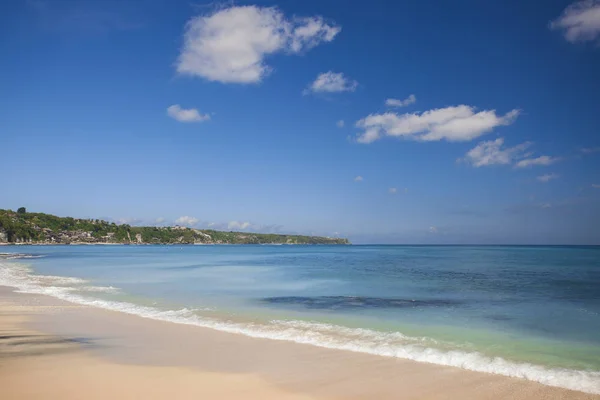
[[388, 344], [17, 256]]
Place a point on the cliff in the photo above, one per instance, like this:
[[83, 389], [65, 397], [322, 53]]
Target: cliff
[[37, 228]]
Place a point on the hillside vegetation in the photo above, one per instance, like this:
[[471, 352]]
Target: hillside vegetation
[[24, 227]]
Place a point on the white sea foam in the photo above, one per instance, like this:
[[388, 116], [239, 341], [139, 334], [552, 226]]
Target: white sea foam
[[16, 256], [20, 276], [316, 334], [360, 333], [99, 289]]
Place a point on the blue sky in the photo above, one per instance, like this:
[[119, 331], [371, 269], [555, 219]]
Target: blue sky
[[386, 122]]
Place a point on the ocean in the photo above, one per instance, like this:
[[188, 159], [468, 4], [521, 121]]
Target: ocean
[[523, 311]]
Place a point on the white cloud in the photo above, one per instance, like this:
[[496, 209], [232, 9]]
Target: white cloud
[[401, 103], [187, 221], [358, 179], [231, 44], [393, 190], [596, 186], [433, 229], [493, 152], [310, 32], [186, 115], [238, 225], [459, 123], [547, 177], [159, 220], [541, 160], [580, 22], [340, 123], [331, 82]]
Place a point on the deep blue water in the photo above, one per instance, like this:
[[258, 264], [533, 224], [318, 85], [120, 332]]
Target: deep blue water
[[522, 311]]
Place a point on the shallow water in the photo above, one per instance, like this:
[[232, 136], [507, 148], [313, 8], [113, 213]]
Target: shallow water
[[532, 312]]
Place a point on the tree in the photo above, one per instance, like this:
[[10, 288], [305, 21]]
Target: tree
[[21, 210]]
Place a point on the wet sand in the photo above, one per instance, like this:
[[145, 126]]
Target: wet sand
[[54, 349]]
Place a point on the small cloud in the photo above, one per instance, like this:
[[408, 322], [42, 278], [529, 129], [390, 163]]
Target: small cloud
[[331, 82], [231, 44], [159, 220], [454, 124], [529, 207], [128, 221], [187, 221], [596, 185], [340, 123], [238, 225], [401, 103], [580, 21], [541, 160], [186, 115], [393, 190], [433, 229], [590, 150], [493, 152], [358, 179], [547, 177]]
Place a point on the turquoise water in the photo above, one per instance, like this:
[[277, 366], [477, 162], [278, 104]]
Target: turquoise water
[[531, 312]]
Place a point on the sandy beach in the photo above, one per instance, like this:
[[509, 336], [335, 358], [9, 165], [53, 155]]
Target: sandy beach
[[35, 365], [54, 349]]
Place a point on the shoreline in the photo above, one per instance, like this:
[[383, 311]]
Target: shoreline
[[293, 367]]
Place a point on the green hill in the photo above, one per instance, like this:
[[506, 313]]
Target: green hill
[[23, 227]]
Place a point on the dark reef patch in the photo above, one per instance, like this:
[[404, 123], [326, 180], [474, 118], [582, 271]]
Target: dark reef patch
[[356, 302]]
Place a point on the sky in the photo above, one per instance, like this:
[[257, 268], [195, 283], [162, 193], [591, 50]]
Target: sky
[[428, 122]]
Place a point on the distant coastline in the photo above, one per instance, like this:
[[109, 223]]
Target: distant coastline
[[24, 228]]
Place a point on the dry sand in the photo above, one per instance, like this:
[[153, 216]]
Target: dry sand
[[51, 349]]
